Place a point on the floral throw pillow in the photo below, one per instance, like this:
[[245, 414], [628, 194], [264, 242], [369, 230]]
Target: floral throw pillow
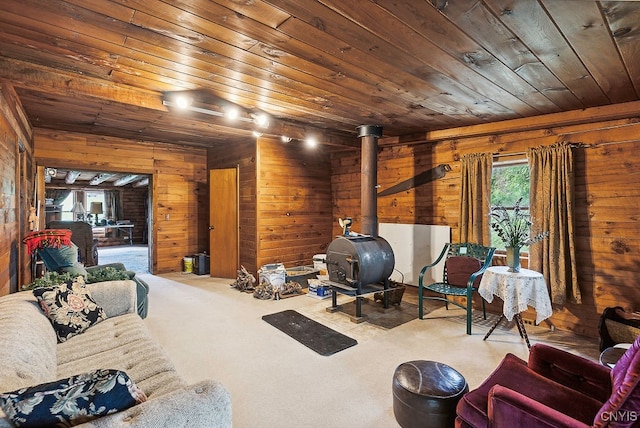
[[71, 401], [69, 307]]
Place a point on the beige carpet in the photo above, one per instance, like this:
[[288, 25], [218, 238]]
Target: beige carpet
[[211, 330], [134, 257]]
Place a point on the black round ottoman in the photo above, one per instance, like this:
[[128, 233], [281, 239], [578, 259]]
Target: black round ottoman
[[425, 394]]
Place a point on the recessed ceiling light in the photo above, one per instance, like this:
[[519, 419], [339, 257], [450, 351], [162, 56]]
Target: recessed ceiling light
[[183, 102], [261, 119], [231, 113]]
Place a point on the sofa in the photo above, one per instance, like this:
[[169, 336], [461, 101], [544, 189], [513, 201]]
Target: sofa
[[142, 288], [32, 354], [58, 252]]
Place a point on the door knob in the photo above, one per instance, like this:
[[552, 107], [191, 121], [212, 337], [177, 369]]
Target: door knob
[[211, 227]]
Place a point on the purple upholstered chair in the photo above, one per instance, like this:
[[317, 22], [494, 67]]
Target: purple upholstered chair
[[556, 389]]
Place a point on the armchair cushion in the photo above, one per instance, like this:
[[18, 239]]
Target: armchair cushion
[[508, 408], [460, 268], [513, 373], [62, 259], [571, 370], [82, 236]]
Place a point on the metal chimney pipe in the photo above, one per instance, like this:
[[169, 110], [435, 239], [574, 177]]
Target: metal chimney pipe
[[369, 135]]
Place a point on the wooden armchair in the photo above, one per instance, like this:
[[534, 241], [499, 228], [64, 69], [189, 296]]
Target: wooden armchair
[[464, 264]]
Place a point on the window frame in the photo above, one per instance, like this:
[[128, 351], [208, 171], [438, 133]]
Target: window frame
[[506, 162]]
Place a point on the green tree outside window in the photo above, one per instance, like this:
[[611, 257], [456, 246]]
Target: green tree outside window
[[509, 182]]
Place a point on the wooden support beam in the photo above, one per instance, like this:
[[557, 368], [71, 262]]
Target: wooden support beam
[[554, 120], [71, 177], [123, 181], [35, 77], [100, 178], [142, 183]]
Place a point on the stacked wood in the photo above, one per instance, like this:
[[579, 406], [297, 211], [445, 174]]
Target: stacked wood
[[396, 291], [244, 281], [266, 291], [291, 287]]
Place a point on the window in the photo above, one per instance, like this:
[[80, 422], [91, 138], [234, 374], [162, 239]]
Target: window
[[66, 208], [85, 198], [509, 183]]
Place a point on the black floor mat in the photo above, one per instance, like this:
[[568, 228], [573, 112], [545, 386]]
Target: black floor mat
[[312, 334]]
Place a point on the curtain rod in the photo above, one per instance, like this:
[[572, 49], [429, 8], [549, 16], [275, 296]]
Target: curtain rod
[[572, 145]]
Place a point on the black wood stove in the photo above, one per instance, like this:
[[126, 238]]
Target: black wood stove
[[359, 265], [362, 264]]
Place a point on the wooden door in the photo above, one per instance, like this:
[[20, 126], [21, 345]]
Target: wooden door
[[223, 222]]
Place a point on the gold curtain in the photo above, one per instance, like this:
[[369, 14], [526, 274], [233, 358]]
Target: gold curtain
[[475, 191], [552, 208]]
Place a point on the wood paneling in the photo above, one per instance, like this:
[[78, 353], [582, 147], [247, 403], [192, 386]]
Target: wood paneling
[[243, 156], [294, 207], [102, 66], [134, 209], [285, 201], [178, 175], [607, 221], [17, 177]]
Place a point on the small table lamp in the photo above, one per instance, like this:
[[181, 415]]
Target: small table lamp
[[78, 211], [96, 208]]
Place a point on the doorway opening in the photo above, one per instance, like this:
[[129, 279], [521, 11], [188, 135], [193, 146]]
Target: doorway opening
[[117, 205]]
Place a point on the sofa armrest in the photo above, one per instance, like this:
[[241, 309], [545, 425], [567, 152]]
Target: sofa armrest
[[117, 266], [115, 297], [205, 404], [573, 371], [508, 408], [143, 287]]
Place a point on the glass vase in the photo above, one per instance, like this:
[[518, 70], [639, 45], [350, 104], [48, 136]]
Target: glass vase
[[513, 259]]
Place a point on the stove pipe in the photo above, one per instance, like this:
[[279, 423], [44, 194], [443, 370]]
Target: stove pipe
[[369, 135]]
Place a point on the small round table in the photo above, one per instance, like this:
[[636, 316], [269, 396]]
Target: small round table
[[518, 290], [610, 356]]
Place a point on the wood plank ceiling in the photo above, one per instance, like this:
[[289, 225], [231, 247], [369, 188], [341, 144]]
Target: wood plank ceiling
[[323, 67]]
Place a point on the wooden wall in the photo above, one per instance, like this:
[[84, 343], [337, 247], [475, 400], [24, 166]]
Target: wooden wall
[[285, 201], [134, 209], [607, 205], [178, 209], [17, 177], [294, 204], [242, 156]]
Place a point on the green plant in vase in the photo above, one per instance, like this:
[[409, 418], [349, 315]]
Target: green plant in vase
[[514, 229]]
